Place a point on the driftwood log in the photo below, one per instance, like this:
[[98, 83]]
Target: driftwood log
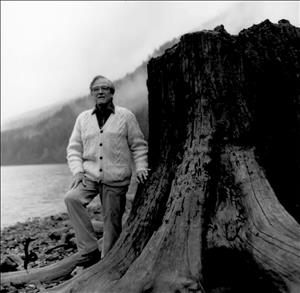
[[54, 272], [219, 212]]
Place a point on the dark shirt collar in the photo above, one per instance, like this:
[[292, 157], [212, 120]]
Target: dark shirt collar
[[108, 108]]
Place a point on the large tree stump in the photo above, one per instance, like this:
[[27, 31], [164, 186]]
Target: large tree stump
[[219, 211]]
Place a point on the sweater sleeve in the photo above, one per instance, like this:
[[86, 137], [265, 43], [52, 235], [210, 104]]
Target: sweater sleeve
[[75, 149], [137, 144]]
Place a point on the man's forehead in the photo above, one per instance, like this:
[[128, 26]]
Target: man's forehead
[[102, 81]]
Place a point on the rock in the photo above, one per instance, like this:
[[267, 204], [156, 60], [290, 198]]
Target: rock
[[18, 285], [52, 257], [8, 289], [68, 236], [55, 235], [10, 263], [59, 218], [13, 244], [10, 237], [71, 244], [35, 283], [31, 286], [4, 289], [59, 233]]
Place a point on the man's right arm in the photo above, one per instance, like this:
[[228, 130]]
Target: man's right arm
[[75, 153]]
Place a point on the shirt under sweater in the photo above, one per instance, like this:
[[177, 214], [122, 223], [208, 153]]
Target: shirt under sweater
[[103, 112], [105, 154]]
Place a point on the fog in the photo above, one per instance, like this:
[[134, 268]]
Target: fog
[[50, 50]]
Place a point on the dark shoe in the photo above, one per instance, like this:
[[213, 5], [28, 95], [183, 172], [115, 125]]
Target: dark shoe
[[89, 259]]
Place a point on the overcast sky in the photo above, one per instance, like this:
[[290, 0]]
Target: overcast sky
[[51, 50]]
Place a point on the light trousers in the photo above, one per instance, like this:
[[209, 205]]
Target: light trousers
[[113, 201]]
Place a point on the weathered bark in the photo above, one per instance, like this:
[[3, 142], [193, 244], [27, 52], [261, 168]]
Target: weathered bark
[[224, 123], [251, 229]]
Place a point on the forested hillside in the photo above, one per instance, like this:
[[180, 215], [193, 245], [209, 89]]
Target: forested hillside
[[44, 140]]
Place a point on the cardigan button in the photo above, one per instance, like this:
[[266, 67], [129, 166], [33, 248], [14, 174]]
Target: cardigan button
[[100, 170], [100, 144], [101, 158], [101, 131]]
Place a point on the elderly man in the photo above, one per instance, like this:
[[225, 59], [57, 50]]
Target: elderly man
[[100, 151]]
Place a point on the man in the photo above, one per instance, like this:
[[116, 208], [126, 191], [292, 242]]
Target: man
[[100, 151]]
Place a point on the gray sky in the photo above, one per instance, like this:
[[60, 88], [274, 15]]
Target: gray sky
[[51, 50]]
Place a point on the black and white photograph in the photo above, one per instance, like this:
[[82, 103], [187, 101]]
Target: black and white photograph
[[150, 146]]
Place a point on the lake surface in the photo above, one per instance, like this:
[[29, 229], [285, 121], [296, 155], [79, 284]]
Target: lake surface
[[30, 191]]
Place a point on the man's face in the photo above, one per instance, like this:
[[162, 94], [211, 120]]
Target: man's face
[[101, 91]]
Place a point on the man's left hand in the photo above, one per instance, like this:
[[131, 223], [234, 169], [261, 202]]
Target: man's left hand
[[141, 176]]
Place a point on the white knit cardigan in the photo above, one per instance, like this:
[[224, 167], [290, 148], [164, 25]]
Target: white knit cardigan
[[105, 155]]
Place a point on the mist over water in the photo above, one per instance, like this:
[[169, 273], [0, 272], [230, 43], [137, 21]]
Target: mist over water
[[71, 83]]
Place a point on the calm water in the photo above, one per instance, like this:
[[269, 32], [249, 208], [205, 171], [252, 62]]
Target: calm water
[[32, 191]]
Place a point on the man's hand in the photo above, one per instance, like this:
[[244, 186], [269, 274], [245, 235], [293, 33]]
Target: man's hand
[[141, 176], [79, 177]]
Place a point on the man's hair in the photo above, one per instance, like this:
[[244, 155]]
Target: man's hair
[[111, 85]]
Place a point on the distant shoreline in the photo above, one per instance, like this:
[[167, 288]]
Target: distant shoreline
[[33, 164], [30, 221]]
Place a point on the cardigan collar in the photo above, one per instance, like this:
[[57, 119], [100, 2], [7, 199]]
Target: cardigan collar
[[108, 108]]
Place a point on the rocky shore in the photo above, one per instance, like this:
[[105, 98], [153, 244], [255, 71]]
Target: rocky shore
[[37, 243]]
